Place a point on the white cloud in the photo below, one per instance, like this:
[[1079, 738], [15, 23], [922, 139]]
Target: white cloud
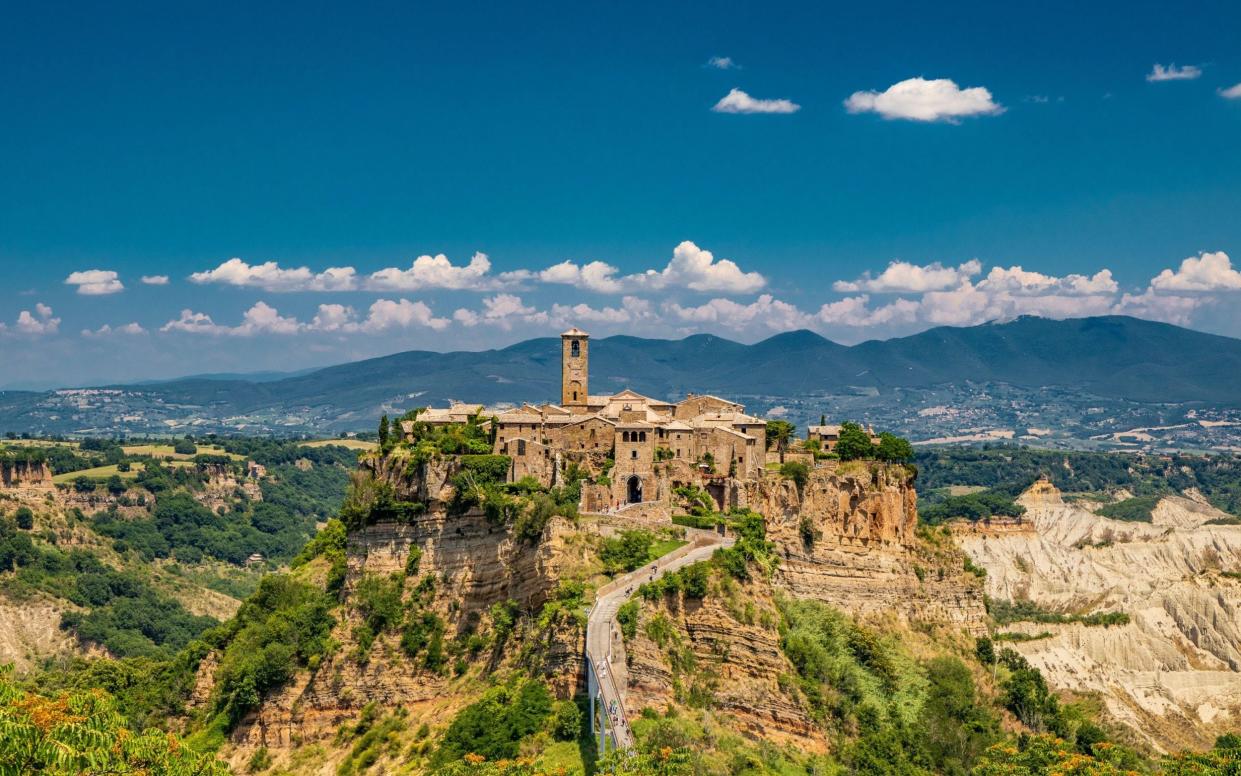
[[1016, 280], [1197, 274], [95, 282], [854, 311], [690, 267], [919, 99], [723, 63], [37, 324], [155, 280], [386, 314], [737, 101], [631, 310], [594, 276], [262, 318], [1169, 308], [1173, 73], [1232, 92], [765, 312], [270, 276], [697, 269], [502, 310], [435, 272], [106, 330], [903, 277]]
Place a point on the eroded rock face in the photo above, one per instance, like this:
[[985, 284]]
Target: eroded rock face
[[849, 540], [846, 539], [28, 474], [1172, 673], [474, 564], [737, 659]]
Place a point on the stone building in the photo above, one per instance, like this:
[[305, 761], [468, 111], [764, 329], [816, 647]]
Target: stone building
[[640, 446]]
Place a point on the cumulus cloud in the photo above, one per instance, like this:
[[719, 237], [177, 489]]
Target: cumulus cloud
[[737, 101], [262, 318], [723, 63], [386, 314], [502, 310], [593, 276], [155, 280], [1173, 73], [854, 311], [690, 267], [919, 99], [765, 312], [95, 282], [697, 269], [270, 276], [1156, 306], [1232, 92], [1205, 272], [1019, 281], [904, 277], [435, 272], [107, 330], [39, 323]]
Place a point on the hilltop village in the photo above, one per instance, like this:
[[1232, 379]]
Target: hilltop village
[[651, 446]]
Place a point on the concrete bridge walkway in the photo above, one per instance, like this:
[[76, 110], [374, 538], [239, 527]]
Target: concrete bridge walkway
[[606, 674]]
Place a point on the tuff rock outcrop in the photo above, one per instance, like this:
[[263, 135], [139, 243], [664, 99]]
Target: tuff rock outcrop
[[1173, 673]]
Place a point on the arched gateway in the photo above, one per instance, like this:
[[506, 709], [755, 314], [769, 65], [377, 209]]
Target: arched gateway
[[635, 490]]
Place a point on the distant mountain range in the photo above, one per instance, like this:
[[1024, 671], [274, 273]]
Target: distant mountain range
[[1116, 358]]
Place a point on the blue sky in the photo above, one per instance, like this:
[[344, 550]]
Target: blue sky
[[1002, 157]]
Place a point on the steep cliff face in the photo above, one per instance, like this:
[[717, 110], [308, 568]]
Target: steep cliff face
[[472, 564], [848, 538], [30, 474], [1173, 673]]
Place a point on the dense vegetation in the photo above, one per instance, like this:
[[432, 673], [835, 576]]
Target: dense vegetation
[[83, 733], [1011, 469], [1137, 509], [119, 610]]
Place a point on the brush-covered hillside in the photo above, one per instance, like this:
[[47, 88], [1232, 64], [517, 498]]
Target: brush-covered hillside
[[436, 625]]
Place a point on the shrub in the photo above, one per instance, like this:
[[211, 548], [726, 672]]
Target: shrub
[[24, 518], [626, 552], [495, 725], [796, 471]]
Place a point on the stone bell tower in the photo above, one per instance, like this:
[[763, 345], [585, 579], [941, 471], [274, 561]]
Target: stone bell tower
[[574, 366]]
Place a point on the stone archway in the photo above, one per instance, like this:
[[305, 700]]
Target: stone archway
[[634, 490]]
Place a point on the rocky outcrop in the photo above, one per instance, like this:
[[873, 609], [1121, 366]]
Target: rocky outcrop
[[27, 474], [474, 564], [221, 486], [728, 650], [848, 538], [1174, 672]]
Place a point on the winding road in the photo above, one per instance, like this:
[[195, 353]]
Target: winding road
[[605, 649]]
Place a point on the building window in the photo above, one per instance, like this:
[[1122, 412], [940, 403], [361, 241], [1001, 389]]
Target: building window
[[633, 454], [521, 447], [575, 350], [641, 436]]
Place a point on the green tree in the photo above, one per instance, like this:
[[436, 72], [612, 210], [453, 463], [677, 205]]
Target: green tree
[[894, 449], [384, 431], [115, 485], [84, 484], [779, 433], [796, 471], [24, 517], [83, 733], [854, 442], [185, 447]]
